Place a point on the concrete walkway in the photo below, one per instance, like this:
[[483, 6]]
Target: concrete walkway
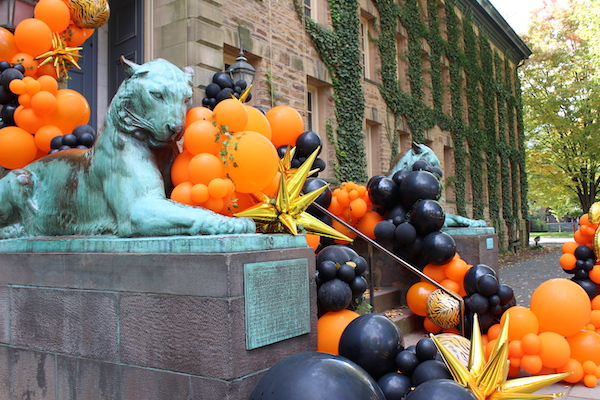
[[524, 277]]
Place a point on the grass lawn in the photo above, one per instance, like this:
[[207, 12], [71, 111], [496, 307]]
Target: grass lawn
[[552, 234]]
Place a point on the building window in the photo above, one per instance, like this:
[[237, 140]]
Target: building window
[[312, 114], [364, 47], [373, 149], [308, 8]]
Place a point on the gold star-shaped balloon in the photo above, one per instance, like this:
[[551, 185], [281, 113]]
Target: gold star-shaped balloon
[[488, 380], [64, 57], [287, 211], [594, 217]]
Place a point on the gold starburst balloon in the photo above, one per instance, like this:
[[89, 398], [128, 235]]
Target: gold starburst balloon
[[594, 217], [63, 57], [287, 212], [488, 380]]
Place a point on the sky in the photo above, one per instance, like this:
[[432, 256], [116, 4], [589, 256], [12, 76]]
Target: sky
[[516, 12]]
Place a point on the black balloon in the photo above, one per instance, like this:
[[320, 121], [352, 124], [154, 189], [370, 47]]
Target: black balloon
[[427, 216], [486, 320], [478, 303], [334, 295], [6, 96], [445, 389], [56, 142], [316, 376], [7, 76], [327, 270], [223, 95], [399, 176], [358, 285], [505, 293], [487, 285], [583, 252], [374, 179], [426, 349], [473, 274], [591, 288], [397, 211], [438, 248], [405, 233], [212, 90], [437, 171], [361, 265], [429, 370], [372, 341], [345, 273], [307, 143], [383, 192], [223, 80], [70, 140], [385, 231], [407, 361], [335, 253], [419, 185], [394, 385], [7, 113], [421, 165]]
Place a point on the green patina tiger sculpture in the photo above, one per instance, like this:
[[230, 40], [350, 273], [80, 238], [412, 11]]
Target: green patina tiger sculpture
[[115, 188]]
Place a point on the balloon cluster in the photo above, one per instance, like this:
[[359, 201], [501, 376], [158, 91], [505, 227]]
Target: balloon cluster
[[485, 297], [306, 144], [413, 217], [82, 137], [9, 100], [579, 259], [340, 278], [222, 88], [420, 363]]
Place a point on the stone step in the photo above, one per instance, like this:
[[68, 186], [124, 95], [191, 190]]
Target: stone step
[[385, 299]]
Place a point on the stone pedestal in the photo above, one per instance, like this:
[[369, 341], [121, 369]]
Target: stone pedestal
[[157, 318], [476, 245]]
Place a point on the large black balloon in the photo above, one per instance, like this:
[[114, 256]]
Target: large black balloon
[[445, 389], [583, 252], [394, 386], [472, 276], [223, 80], [427, 216], [334, 295], [419, 185], [591, 288], [372, 341], [428, 370], [324, 198], [383, 192], [307, 143], [335, 253], [438, 248], [487, 285], [374, 179], [8, 75], [316, 376]]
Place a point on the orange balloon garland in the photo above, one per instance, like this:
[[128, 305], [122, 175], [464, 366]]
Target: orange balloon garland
[[18, 147]]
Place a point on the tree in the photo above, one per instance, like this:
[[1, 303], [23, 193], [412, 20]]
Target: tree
[[561, 102]]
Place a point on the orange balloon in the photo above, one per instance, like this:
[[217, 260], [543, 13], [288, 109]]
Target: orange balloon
[[515, 349], [25, 100], [272, 188], [200, 193], [48, 84], [213, 204], [47, 70], [589, 367], [218, 188], [43, 103], [335, 207], [257, 122], [44, 136], [202, 137], [569, 247], [241, 201], [74, 36], [368, 222], [198, 114], [231, 113], [204, 167], [561, 306], [72, 109], [28, 120], [451, 285], [33, 36], [54, 13], [32, 85], [567, 261], [286, 125], [430, 326], [595, 318], [17, 86], [179, 168], [456, 269], [532, 364], [521, 322], [28, 62], [8, 45], [555, 351], [585, 345], [590, 381], [18, 147], [595, 274], [417, 296], [330, 327], [343, 230], [313, 240], [252, 161], [596, 302], [580, 237], [342, 197], [435, 272], [573, 366], [358, 208], [531, 343], [183, 193]]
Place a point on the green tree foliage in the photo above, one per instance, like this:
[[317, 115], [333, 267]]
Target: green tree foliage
[[561, 100]]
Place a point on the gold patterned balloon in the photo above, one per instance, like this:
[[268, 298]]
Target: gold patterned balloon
[[458, 345], [443, 309], [89, 14]]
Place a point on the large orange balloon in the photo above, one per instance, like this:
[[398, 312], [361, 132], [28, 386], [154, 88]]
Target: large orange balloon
[[561, 306], [201, 137], [54, 13], [17, 147], [252, 161], [33, 36], [198, 114], [43, 103], [417, 297], [205, 167], [28, 120], [74, 36], [231, 113], [44, 136], [330, 328], [72, 109], [585, 345], [521, 322], [257, 122], [8, 45], [555, 350], [368, 222], [27, 61], [574, 367], [286, 125]]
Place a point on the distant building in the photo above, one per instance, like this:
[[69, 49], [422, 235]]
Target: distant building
[[454, 63]]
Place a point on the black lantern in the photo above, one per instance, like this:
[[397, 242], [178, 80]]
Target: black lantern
[[240, 70]]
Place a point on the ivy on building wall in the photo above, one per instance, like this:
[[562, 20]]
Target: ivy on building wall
[[339, 49]]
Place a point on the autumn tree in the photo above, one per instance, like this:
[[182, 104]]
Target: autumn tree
[[561, 101]]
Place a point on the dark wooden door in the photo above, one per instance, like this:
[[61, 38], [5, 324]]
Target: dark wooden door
[[85, 80]]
